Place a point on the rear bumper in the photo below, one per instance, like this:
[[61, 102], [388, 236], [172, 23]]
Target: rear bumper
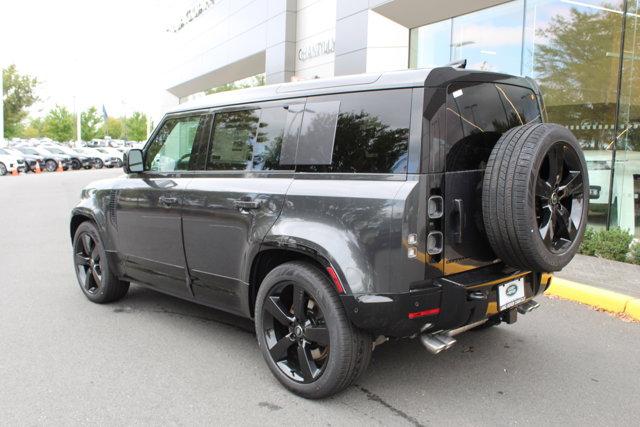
[[446, 303]]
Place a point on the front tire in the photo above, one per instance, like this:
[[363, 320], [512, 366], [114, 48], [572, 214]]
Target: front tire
[[51, 165], [3, 169], [304, 334], [98, 164], [98, 283], [75, 164]]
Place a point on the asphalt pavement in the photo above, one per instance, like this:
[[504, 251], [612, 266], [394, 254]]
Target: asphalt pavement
[[154, 359]]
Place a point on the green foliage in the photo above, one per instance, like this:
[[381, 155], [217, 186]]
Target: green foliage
[[60, 124], [136, 127], [610, 244], [634, 254], [113, 128], [90, 122], [257, 80], [35, 129], [18, 95]]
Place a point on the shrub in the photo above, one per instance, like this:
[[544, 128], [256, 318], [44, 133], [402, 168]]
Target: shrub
[[635, 253], [610, 244]]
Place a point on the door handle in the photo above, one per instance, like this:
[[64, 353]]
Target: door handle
[[247, 204], [168, 201], [458, 213]]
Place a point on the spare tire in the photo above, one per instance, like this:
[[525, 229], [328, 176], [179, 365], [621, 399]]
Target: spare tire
[[534, 197]]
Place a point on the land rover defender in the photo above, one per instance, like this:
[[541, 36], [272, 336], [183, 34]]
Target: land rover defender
[[337, 213]]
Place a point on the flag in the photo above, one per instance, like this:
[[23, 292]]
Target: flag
[[105, 116]]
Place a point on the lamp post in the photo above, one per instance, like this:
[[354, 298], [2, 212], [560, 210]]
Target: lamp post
[[1, 106]]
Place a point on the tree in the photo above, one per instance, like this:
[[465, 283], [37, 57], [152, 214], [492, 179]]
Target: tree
[[136, 127], [34, 129], [90, 122], [113, 128], [18, 95], [59, 124], [577, 68]]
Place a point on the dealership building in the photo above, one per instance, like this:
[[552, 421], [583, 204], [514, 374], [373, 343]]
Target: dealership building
[[585, 54]]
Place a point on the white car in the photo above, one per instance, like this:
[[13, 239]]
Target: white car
[[10, 163], [100, 159], [113, 152]]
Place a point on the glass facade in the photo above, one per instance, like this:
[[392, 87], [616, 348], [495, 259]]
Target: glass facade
[[589, 76]]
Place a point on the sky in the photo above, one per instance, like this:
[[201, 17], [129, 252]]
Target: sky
[[100, 52]]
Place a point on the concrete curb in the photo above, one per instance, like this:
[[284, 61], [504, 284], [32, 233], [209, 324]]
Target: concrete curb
[[595, 297]]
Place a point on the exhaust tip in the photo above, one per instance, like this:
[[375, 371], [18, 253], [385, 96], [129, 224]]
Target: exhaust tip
[[436, 343]]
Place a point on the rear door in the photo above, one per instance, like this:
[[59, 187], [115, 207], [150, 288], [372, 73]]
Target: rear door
[[230, 207], [477, 115]]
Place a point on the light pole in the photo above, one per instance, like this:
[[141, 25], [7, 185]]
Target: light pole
[[78, 126], [1, 106]]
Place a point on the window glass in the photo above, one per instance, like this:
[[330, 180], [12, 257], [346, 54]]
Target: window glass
[[490, 39], [371, 134], [234, 134], [478, 114], [317, 132], [430, 46], [269, 140], [177, 145]]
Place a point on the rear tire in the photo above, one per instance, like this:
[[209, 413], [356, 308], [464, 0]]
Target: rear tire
[[3, 169], [75, 164], [98, 283], [51, 165], [335, 365], [98, 164]]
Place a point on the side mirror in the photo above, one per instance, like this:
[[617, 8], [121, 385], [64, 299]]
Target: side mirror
[[133, 161]]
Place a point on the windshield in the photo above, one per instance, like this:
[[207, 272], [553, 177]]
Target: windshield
[[56, 150], [28, 151]]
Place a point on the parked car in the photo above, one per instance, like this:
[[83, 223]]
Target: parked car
[[114, 153], [100, 159], [51, 160], [30, 160], [10, 162], [78, 160], [338, 213]]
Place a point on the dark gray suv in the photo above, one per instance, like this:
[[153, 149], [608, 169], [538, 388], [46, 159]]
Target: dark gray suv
[[338, 213]]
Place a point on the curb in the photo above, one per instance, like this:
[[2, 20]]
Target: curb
[[595, 297]]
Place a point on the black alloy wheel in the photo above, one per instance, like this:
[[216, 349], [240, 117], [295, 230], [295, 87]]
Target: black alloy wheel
[[559, 197], [295, 332], [51, 165], [88, 263], [304, 333], [3, 169], [98, 283]]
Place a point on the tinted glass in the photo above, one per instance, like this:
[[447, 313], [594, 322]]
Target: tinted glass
[[371, 135], [234, 134], [317, 133], [478, 114], [178, 145], [267, 147]]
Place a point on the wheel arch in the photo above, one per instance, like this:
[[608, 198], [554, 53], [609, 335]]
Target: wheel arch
[[77, 218], [270, 257]]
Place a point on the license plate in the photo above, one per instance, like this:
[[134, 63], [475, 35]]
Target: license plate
[[511, 293]]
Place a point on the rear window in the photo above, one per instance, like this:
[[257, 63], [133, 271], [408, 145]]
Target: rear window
[[478, 114], [366, 132]]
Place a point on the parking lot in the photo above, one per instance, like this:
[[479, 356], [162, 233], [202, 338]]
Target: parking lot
[[152, 359]]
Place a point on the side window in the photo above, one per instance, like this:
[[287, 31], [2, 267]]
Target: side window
[[257, 139], [178, 144], [234, 133], [275, 132], [371, 133], [477, 115]]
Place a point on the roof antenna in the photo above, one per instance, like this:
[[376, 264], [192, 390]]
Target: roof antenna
[[462, 63]]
